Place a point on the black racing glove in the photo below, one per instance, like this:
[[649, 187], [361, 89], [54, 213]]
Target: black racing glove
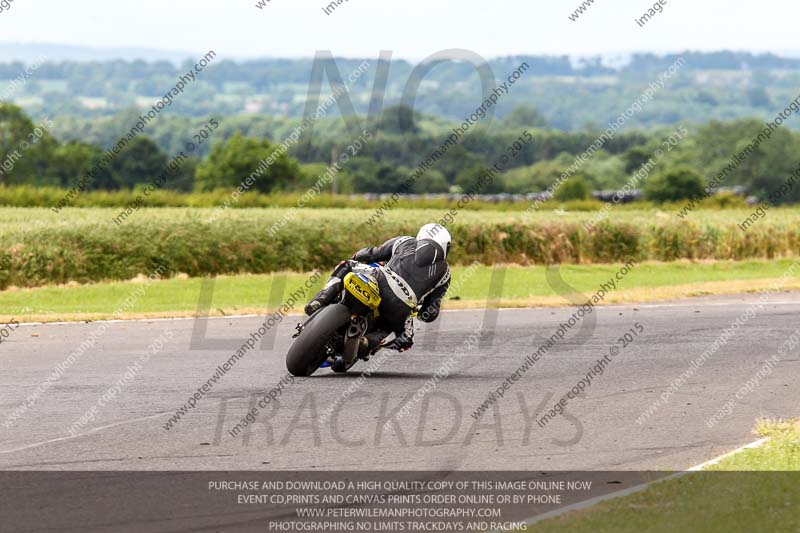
[[403, 343]]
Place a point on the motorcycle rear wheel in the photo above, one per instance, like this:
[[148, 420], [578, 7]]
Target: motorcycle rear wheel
[[307, 352]]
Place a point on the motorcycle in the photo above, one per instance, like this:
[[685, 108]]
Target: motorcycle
[[335, 336]]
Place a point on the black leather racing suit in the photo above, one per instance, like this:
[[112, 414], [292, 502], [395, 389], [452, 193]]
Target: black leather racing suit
[[415, 273], [420, 267]]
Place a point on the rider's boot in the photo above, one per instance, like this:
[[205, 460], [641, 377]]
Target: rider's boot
[[325, 296], [370, 342], [331, 289]]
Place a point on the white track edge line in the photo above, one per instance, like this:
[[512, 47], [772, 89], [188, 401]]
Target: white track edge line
[[78, 435], [638, 488], [446, 311]]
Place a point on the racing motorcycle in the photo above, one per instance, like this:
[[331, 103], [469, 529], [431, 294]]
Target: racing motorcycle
[[335, 336]]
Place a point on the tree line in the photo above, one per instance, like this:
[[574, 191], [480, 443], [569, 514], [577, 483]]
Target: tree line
[[665, 166]]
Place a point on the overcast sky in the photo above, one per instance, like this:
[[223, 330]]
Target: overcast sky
[[412, 29]]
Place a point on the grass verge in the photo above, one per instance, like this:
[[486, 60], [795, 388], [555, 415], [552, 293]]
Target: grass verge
[[521, 287], [754, 490]]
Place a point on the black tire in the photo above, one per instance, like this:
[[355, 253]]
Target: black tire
[[306, 355]]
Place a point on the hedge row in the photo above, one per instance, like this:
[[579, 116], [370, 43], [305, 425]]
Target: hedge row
[[91, 248]]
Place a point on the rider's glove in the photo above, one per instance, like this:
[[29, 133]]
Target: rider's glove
[[403, 343]]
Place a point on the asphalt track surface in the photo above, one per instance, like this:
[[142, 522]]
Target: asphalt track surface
[[598, 432]]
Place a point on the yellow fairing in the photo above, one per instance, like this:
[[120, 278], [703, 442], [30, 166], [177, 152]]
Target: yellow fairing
[[364, 288]]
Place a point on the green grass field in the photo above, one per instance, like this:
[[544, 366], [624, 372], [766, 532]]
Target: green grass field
[[754, 490], [470, 288]]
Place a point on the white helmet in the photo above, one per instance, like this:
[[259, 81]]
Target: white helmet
[[437, 234]]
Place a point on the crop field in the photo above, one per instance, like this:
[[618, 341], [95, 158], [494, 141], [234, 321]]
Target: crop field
[[40, 247]]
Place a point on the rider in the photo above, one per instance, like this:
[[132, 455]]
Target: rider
[[415, 274]]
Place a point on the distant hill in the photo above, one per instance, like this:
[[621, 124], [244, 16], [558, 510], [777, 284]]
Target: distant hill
[[570, 93], [27, 53]]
